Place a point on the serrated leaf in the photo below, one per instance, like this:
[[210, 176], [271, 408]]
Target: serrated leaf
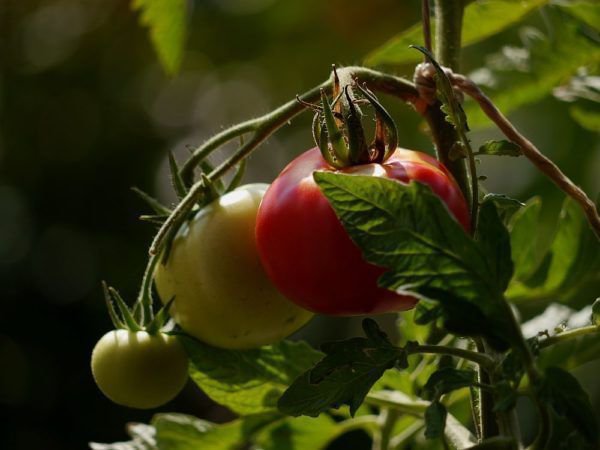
[[299, 433], [407, 229], [482, 20], [516, 76], [435, 420], [183, 432], [344, 376], [567, 397], [447, 380], [500, 148], [248, 381], [167, 22]]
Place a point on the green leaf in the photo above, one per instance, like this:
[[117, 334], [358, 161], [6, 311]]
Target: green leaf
[[447, 380], [409, 329], [299, 433], [500, 148], [568, 399], [167, 22], [572, 260], [435, 420], [344, 376], [516, 76], [482, 20], [407, 229], [495, 443], [182, 432], [494, 240], [585, 10], [248, 381], [523, 239]]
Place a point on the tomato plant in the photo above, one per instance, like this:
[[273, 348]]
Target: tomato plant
[[353, 227], [221, 292], [308, 254], [139, 370]]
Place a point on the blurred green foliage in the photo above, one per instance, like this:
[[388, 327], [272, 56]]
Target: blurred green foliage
[[86, 112]]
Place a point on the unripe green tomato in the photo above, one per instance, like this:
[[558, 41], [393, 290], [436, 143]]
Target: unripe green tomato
[[222, 293], [139, 370]]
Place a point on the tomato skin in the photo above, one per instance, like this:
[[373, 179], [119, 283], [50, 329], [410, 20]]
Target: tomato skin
[[139, 370], [308, 254], [222, 293]]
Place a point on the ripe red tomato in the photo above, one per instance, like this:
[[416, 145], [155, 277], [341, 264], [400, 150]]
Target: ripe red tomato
[[306, 251]]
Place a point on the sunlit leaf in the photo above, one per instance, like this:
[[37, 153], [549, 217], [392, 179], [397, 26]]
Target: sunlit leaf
[[166, 20], [482, 20], [516, 76]]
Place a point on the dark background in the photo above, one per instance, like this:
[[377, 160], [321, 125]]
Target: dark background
[[86, 112]]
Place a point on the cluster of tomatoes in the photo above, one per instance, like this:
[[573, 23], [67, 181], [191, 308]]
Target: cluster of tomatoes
[[254, 265]]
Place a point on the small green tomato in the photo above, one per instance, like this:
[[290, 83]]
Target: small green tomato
[[139, 370], [222, 293]]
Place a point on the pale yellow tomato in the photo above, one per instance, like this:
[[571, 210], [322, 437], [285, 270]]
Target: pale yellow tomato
[[222, 294]]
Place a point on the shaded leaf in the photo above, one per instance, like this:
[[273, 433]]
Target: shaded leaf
[[435, 420], [407, 229], [523, 237], [494, 240], [248, 381], [568, 399], [344, 376], [167, 22], [299, 433], [447, 380], [183, 432]]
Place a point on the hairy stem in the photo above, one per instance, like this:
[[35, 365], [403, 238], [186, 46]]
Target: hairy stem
[[568, 335], [263, 127], [531, 152], [449, 15]]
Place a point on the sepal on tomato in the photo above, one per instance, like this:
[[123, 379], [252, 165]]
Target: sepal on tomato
[[338, 131]]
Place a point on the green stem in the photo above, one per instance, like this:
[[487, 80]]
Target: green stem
[[387, 420], [263, 127], [144, 300], [487, 418], [449, 15], [568, 335], [479, 358], [448, 32], [272, 121]]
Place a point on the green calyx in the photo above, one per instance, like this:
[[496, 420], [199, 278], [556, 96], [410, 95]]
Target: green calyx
[[338, 130]]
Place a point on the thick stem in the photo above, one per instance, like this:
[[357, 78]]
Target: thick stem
[[449, 15], [448, 31]]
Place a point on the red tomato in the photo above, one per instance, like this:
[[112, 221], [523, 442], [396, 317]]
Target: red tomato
[[306, 251]]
